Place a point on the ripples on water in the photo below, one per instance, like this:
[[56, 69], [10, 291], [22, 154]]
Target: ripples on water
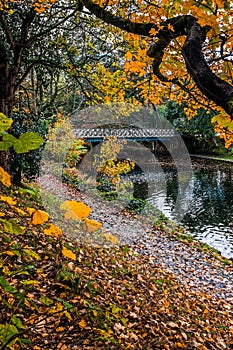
[[209, 195]]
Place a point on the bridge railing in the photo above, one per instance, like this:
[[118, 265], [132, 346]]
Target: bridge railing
[[123, 133]]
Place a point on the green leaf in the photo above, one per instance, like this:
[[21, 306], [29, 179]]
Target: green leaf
[[5, 285], [45, 300], [9, 139], [3, 146], [67, 305], [5, 123], [7, 331], [17, 322], [28, 142], [12, 228]]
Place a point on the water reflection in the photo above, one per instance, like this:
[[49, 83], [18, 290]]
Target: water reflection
[[210, 213]]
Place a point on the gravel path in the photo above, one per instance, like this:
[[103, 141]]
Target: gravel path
[[196, 269]]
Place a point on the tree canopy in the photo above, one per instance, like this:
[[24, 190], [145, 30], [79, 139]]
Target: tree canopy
[[111, 50]]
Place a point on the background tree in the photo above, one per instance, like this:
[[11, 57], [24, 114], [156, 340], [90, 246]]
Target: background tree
[[112, 50]]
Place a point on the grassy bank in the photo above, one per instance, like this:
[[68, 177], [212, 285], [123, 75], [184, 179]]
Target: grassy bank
[[59, 294]]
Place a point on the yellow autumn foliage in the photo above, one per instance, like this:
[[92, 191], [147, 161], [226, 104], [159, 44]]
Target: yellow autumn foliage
[[8, 200], [111, 238], [53, 231], [75, 210], [5, 177], [39, 217], [91, 225], [67, 253]]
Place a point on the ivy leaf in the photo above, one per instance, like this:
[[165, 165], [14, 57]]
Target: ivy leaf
[[28, 142], [9, 140]]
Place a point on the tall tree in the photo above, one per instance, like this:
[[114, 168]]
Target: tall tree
[[184, 47], [160, 50]]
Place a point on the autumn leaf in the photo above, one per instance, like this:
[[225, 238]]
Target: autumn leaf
[[5, 177], [82, 324], [39, 217], [30, 210], [111, 238], [75, 210], [53, 231], [10, 226], [8, 200], [20, 211], [91, 225], [31, 253], [68, 253]]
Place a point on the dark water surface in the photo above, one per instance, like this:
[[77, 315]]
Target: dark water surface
[[209, 196]]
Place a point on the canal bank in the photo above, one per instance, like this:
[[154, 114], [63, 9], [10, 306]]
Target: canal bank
[[199, 270]]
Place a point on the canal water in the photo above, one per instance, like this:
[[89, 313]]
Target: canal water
[[209, 195]]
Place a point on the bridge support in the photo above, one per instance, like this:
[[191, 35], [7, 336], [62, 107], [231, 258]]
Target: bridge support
[[154, 144]]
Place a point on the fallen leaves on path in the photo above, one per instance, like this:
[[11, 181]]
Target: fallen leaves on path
[[58, 294]]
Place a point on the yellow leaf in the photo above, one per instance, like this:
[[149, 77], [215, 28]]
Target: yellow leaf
[[2, 214], [19, 211], [30, 210], [8, 252], [91, 225], [5, 177], [8, 200], [68, 253], [82, 323], [39, 217], [31, 253], [111, 238], [75, 210], [53, 231], [95, 313], [60, 329]]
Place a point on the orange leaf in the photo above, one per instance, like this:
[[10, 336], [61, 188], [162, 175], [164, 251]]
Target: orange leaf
[[91, 225], [30, 210], [53, 231], [68, 253], [39, 217], [75, 210], [5, 177], [8, 200], [8, 252], [82, 323]]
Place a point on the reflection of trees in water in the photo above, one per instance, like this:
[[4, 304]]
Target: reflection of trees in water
[[211, 197]]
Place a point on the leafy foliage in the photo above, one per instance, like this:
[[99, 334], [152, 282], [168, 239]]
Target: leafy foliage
[[26, 142]]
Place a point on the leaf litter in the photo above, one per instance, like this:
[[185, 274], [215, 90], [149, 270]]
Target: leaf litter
[[60, 294]]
